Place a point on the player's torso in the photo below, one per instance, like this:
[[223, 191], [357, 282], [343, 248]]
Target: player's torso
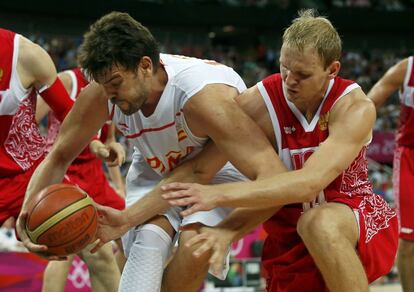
[[21, 143], [297, 138], [163, 138], [405, 133]]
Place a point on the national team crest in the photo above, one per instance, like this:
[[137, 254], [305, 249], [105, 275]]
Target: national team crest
[[323, 121]]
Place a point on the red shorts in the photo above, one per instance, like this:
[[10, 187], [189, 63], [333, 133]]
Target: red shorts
[[90, 177], [289, 265], [12, 192], [403, 177]]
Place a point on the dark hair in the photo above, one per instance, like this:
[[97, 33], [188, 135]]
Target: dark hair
[[116, 39]]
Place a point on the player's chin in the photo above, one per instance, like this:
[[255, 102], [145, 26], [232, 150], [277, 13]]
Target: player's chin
[[129, 110]]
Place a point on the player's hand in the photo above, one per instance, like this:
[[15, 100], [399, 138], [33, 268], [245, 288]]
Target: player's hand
[[113, 153], [112, 224], [213, 239], [198, 197], [40, 250]]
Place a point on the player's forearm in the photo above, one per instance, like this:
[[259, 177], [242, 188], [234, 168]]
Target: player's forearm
[[47, 173], [278, 190], [116, 178], [152, 203], [243, 220]]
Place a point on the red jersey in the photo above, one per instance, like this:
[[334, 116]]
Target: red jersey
[[405, 132], [297, 138], [21, 145]]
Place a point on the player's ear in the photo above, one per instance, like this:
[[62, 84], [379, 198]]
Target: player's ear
[[145, 65], [334, 69]]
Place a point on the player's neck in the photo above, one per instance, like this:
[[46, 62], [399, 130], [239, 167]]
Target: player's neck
[[158, 85]]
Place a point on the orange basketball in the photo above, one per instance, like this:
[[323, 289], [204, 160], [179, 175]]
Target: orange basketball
[[63, 218]]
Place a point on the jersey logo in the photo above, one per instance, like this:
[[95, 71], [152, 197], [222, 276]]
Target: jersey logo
[[289, 130], [323, 121]]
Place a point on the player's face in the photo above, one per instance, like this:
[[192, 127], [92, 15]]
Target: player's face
[[303, 73], [126, 89]]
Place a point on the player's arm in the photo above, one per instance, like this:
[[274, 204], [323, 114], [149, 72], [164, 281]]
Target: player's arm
[[36, 68], [350, 126], [89, 113], [114, 170], [42, 108], [388, 84]]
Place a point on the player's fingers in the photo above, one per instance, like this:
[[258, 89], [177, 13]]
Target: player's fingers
[[177, 195], [175, 186], [192, 226], [97, 246], [205, 247], [103, 152], [191, 210], [196, 240], [217, 259]]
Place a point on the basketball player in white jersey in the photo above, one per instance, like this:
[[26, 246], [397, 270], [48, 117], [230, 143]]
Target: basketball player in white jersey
[[170, 107], [400, 77], [332, 232]]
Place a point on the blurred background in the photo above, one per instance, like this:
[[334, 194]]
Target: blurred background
[[246, 35]]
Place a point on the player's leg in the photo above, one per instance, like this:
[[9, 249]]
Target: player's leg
[[405, 262], [184, 266], [55, 275], [119, 255], [403, 176], [330, 233], [103, 270], [147, 248]]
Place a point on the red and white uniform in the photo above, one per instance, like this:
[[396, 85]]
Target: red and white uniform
[[288, 263], [21, 145], [86, 170], [403, 168], [163, 140]]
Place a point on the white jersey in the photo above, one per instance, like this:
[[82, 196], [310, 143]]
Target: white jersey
[[163, 140]]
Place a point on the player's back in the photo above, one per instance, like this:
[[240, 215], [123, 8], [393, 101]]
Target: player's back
[[22, 146]]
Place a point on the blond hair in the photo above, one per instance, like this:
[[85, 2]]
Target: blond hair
[[312, 31]]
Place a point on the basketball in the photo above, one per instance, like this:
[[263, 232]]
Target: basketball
[[62, 217]]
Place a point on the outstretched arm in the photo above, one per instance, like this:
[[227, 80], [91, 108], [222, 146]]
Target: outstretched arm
[[388, 84], [75, 133], [350, 126]]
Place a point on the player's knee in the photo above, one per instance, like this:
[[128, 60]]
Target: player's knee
[[406, 248], [154, 237], [318, 224]]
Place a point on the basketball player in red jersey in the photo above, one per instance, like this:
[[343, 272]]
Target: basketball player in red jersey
[[25, 71], [401, 77], [86, 171], [333, 233]]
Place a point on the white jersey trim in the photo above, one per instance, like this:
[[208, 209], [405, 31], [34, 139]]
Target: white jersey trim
[[15, 82], [408, 72], [307, 127], [273, 116], [74, 84]]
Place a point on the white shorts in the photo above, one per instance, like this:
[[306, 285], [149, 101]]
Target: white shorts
[[141, 179]]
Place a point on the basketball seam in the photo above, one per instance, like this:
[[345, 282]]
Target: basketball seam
[[48, 194], [59, 216]]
